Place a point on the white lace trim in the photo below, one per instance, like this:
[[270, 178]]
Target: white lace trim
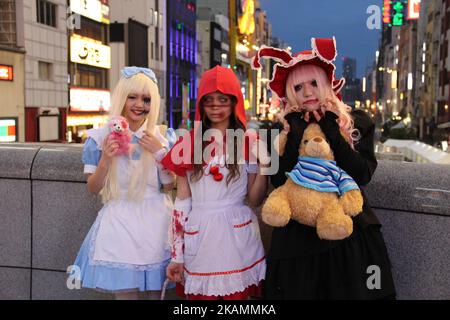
[[222, 285]]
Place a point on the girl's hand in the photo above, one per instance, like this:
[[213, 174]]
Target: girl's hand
[[175, 272], [150, 143], [314, 114], [288, 109], [109, 149], [331, 105]]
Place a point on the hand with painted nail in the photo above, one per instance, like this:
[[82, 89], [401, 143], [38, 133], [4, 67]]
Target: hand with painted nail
[[150, 143]]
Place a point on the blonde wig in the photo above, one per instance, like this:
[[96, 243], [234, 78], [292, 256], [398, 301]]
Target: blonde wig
[[138, 83], [309, 72]]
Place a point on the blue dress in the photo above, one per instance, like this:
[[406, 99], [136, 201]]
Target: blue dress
[[127, 247]]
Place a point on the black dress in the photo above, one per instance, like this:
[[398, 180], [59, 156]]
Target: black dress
[[302, 266]]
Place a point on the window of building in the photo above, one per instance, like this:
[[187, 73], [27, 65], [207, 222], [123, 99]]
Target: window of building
[[156, 45], [8, 23], [162, 54], [151, 17], [217, 55], [225, 38], [217, 35], [89, 77], [151, 51], [161, 87], [45, 71], [92, 29], [117, 32], [138, 47], [46, 12]]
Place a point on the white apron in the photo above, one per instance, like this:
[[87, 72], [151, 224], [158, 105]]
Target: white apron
[[223, 249], [134, 233]]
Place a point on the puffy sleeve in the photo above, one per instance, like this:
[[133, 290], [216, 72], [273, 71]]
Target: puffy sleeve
[[171, 138], [165, 176], [91, 156], [167, 137]]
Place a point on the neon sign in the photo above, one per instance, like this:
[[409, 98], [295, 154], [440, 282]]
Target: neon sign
[[89, 52], [87, 100], [413, 9], [247, 21], [6, 73], [387, 11], [398, 18]]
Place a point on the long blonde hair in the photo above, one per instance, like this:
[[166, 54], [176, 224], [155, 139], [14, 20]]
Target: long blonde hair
[[135, 84], [308, 72]]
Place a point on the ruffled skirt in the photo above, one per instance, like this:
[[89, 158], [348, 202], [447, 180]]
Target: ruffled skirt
[[115, 277], [358, 268]]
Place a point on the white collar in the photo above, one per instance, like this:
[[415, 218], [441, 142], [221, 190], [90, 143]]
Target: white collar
[[140, 132]]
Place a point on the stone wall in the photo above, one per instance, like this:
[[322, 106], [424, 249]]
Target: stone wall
[[46, 212]]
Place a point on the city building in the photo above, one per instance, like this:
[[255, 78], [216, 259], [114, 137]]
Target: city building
[[213, 38], [352, 90], [396, 83], [45, 42], [263, 35], [12, 71], [427, 73], [385, 85], [443, 109], [138, 38], [89, 63], [349, 69], [182, 55]]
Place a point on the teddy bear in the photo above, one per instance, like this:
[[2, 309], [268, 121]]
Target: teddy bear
[[119, 131], [317, 192]]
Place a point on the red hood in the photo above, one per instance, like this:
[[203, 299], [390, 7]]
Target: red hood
[[216, 79], [223, 80]]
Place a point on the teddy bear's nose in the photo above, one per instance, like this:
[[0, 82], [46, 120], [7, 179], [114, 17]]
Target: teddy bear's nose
[[318, 140]]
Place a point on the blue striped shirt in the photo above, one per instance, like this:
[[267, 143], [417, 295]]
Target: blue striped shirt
[[322, 175]]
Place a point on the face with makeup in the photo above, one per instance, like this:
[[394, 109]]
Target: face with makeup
[[217, 107], [308, 87], [137, 107], [307, 95]]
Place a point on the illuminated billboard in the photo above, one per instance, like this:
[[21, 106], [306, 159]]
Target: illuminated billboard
[[93, 9], [90, 52], [6, 73], [413, 9], [89, 100], [8, 130]]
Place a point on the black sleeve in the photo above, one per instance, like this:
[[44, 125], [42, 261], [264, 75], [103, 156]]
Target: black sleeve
[[289, 159], [360, 163]]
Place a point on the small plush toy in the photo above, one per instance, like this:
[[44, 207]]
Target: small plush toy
[[317, 192], [120, 133]]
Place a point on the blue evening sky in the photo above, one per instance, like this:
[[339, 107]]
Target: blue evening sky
[[297, 21]]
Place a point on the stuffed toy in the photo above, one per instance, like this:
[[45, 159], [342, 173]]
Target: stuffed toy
[[119, 131], [317, 192]]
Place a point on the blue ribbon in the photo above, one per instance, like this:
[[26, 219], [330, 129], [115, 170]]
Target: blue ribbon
[[129, 72]]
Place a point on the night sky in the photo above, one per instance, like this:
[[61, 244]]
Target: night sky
[[297, 21]]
